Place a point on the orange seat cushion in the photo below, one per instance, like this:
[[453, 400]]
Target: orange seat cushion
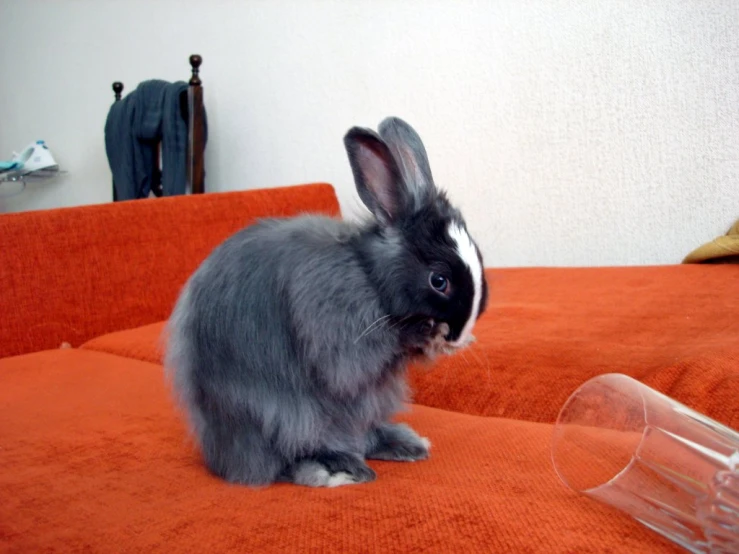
[[141, 343], [547, 331], [95, 458]]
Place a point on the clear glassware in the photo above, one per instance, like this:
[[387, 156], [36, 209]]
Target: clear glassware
[[672, 469]]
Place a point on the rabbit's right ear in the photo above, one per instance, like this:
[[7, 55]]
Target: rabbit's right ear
[[376, 174]]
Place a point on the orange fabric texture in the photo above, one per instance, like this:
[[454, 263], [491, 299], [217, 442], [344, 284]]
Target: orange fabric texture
[[71, 274], [547, 331], [95, 459]]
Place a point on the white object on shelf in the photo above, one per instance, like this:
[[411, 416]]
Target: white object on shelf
[[34, 163], [36, 156]]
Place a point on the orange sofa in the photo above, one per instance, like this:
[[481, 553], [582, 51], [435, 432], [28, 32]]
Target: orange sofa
[[95, 458]]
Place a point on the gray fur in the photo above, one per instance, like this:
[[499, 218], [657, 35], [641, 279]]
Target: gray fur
[[281, 349], [396, 442], [263, 328]]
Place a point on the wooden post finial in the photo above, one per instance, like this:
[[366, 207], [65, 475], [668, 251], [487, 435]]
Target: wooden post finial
[[195, 61], [117, 89]]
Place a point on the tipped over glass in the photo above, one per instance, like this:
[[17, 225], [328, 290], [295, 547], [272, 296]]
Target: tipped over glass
[[674, 470]]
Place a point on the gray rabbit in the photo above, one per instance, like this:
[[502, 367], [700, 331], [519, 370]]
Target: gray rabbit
[[288, 346]]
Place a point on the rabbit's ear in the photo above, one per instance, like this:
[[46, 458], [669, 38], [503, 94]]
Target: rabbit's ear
[[376, 174], [410, 155]]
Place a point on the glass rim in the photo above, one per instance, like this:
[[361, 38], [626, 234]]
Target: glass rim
[[560, 425]]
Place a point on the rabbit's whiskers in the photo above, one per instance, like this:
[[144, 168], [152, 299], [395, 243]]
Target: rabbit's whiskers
[[372, 326]]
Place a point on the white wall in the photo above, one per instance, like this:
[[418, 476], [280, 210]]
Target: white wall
[[570, 133]]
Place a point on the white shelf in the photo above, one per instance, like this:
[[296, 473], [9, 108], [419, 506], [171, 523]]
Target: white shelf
[[24, 178]]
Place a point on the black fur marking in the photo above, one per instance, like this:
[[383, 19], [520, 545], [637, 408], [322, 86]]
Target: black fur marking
[[399, 258]]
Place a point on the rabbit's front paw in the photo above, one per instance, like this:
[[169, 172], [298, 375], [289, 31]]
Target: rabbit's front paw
[[397, 442], [331, 469], [437, 342]]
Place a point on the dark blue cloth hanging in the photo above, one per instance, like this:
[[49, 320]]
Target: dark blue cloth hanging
[[149, 115]]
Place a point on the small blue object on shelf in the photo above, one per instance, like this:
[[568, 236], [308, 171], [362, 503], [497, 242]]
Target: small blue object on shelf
[[7, 166]]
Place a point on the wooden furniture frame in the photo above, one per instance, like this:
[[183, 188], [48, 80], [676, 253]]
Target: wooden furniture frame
[[191, 107]]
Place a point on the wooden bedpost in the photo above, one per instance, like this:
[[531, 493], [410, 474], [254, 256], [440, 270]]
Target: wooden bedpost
[[196, 125], [117, 90]]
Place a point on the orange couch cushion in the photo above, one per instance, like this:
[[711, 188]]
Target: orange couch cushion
[[548, 330], [71, 274], [141, 343], [94, 457]]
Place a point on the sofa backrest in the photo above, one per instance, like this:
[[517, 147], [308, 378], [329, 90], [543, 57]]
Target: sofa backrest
[[70, 274]]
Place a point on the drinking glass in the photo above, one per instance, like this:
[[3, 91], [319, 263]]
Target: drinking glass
[[671, 468]]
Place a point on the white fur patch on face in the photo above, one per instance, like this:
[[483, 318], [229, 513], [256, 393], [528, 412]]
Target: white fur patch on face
[[468, 254]]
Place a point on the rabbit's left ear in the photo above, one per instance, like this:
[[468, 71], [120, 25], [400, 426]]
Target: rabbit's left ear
[[376, 175], [410, 156]]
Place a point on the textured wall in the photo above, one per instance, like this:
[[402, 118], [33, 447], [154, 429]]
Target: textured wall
[[571, 133]]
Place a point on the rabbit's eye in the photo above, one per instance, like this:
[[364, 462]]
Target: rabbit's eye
[[438, 282]]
